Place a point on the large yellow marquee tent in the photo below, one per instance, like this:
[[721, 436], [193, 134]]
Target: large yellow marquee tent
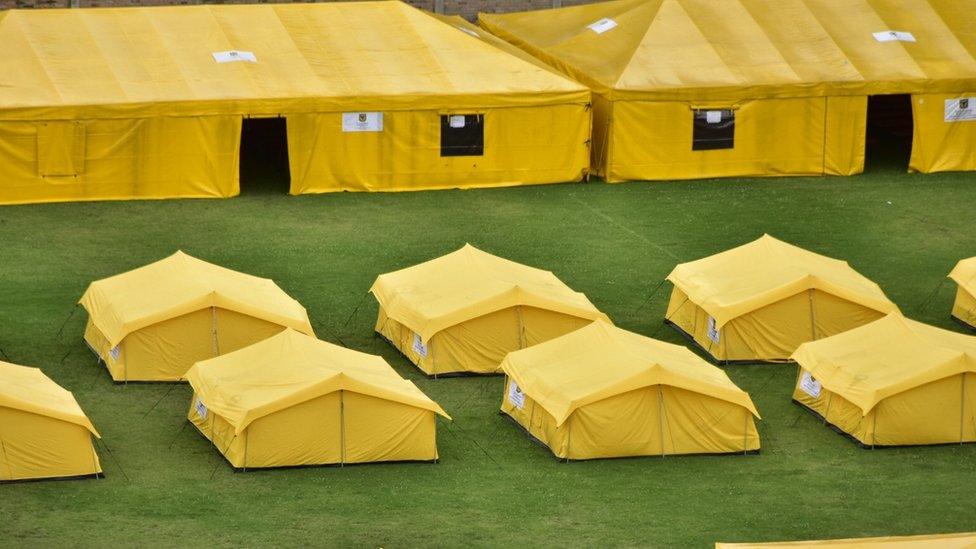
[[927, 541], [294, 400], [761, 300], [604, 392], [43, 431], [892, 382], [964, 308], [148, 102], [710, 88], [154, 322], [463, 312]]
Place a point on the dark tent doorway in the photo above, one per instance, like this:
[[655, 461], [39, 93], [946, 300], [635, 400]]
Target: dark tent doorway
[[888, 140], [264, 156]]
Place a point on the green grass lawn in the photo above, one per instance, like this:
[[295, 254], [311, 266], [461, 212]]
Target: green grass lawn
[[493, 487]]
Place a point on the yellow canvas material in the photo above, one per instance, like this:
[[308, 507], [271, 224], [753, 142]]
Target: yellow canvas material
[[154, 322], [140, 103], [464, 311], [892, 382], [294, 400], [964, 308], [43, 431], [929, 541], [761, 300], [795, 73], [602, 392]]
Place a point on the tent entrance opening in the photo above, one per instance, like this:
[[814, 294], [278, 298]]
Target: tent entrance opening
[[264, 156], [888, 143]]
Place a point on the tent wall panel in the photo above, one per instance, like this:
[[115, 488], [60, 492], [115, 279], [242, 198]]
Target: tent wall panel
[[940, 145], [844, 136], [33, 446], [480, 344], [537, 421], [166, 350], [167, 157], [631, 424], [772, 137], [339, 427], [964, 308], [940, 412], [522, 145], [773, 332], [382, 430]]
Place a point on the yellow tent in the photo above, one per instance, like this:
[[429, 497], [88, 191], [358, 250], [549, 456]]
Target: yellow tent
[[930, 541], [892, 382], [463, 312], [43, 432], [154, 322], [964, 309], [761, 300], [148, 102], [758, 88], [294, 400], [603, 392]]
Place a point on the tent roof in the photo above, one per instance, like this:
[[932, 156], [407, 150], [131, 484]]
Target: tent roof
[[600, 360], [927, 541], [739, 49], [883, 358], [470, 283], [738, 281], [181, 284], [965, 275], [29, 390], [149, 61], [290, 368]]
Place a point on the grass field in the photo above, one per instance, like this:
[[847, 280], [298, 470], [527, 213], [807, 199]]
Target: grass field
[[493, 487]]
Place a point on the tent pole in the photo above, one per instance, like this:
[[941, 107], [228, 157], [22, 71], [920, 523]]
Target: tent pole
[[827, 411], [246, 437], [962, 409], [342, 428], [213, 330], [569, 436], [813, 317], [874, 427], [745, 434], [660, 400], [521, 327]]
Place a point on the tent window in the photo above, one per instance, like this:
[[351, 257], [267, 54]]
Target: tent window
[[462, 135], [713, 129], [60, 148]]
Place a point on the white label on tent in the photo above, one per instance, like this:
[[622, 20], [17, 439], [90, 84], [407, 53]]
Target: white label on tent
[[713, 332], [201, 409], [894, 36], [809, 385], [457, 121], [362, 121], [515, 394], [467, 31], [959, 110], [116, 352], [713, 117], [234, 56], [602, 26], [418, 346]]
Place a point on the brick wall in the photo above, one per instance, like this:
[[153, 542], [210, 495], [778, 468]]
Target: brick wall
[[466, 8]]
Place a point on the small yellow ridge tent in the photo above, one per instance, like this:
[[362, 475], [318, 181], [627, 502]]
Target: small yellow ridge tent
[[154, 322], [717, 88], [964, 308], [294, 400], [929, 541], [150, 102], [43, 431], [761, 300], [604, 392], [892, 382], [463, 312]]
